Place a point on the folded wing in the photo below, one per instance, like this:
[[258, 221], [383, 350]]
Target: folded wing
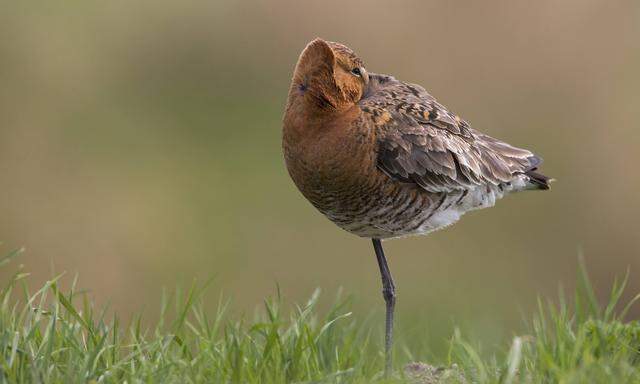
[[420, 141]]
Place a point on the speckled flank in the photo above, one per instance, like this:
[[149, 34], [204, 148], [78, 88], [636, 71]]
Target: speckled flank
[[382, 158]]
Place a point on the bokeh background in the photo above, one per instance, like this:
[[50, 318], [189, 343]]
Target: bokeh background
[[140, 148]]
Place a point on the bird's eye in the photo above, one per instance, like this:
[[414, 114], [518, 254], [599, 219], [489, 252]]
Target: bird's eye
[[356, 72]]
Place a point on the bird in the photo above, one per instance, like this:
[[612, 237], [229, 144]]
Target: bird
[[382, 159]]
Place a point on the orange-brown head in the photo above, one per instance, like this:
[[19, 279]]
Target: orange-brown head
[[328, 76]]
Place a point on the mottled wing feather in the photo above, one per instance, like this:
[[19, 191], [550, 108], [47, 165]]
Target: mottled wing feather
[[420, 141]]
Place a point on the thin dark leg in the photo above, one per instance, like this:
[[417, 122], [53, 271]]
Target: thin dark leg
[[389, 294]]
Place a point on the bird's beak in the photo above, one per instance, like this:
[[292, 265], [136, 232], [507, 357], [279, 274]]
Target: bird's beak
[[365, 76]]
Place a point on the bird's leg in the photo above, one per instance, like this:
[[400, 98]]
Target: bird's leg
[[389, 294]]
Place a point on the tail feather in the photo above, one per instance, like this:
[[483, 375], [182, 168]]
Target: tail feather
[[538, 180]]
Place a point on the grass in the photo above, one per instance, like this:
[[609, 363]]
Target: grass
[[51, 336]]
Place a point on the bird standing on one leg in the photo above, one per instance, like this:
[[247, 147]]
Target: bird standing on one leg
[[382, 159]]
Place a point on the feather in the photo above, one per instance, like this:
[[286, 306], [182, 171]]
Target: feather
[[421, 141]]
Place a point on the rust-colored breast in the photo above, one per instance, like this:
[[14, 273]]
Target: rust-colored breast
[[333, 161], [329, 156]]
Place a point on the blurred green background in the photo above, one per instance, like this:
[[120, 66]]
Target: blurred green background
[[140, 148]]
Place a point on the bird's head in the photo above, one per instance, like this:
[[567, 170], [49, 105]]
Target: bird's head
[[329, 75]]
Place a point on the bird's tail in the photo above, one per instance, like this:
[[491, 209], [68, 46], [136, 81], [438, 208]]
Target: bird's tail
[[537, 180]]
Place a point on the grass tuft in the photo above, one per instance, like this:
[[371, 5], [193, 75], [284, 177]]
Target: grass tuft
[[579, 343]]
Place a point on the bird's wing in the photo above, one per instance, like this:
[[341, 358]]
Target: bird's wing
[[420, 141]]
